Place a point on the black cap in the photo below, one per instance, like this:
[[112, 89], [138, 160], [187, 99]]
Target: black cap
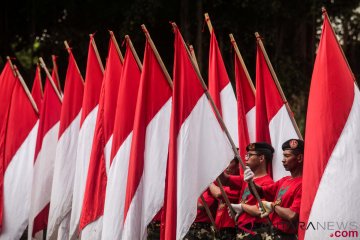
[[260, 147], [294, 144]]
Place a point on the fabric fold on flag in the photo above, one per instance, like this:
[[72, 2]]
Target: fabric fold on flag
[[149, 149], [273, 123], [89, 110], [63, 180], [21, 130], [44, 160], [245, 108], [220, 89], [94, 196], [196, 140], [331, 164], [120, 150]]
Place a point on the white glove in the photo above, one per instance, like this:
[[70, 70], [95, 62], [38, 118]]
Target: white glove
[[269, 208], [248, 174], [238, 210]]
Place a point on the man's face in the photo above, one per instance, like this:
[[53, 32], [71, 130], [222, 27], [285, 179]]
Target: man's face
[[290, 160], [252, 159]]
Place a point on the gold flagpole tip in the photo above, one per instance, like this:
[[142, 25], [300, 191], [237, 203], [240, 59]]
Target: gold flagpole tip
[[257, 35]]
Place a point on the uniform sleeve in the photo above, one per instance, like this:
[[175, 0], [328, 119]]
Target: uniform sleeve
[[295, 206], [270, 191], [235, 181]]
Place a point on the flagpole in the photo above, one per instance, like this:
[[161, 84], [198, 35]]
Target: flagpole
[[128, 40], [41, 87], [323, 9], [251, 184], [23, 84], [116, 46], [43, 65], [193, 55], [70, 52], [222, 124], [55, 68], [93, 44], [238, 54], [257, 35], [157, 55]]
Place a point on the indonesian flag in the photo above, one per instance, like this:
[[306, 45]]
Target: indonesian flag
[[37, 91], [220, 89], [64, 171], [198, 148], [7, 83], [273, 123], [245, 108], [45, 152], [149, 149], [331, 166], [120, 151], [89, 110], [21, 130], [94, 196]]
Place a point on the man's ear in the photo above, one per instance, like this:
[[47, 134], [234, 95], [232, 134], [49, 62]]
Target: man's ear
[[300, 158]]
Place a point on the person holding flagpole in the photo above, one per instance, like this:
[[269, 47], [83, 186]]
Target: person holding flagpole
[[283, 198]]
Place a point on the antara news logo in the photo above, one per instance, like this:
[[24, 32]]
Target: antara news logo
[[341, 230]]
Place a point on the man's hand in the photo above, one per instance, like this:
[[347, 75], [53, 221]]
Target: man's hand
[[248, 174], [269, 208], [238, 210]]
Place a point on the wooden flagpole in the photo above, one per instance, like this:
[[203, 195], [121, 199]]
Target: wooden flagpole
[[43, 65], [55, 68], [206, 206], [70, 52], [112, 36], [323, 9], [193, 55], [157, 55], [222, 124], [251, 184], [23, 84], [276, 81], [128, 40], [93, 44], [41, 87], [238, 54]]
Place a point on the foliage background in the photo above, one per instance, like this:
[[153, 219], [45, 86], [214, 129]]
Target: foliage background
[[290, 30]]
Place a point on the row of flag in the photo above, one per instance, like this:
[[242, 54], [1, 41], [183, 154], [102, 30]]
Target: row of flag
[[130, 143]]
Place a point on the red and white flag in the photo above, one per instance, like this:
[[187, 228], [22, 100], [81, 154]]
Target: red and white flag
[[273, 122], [198, 150], [220, 89], [37, 89], [120, 151], [149, 149], [44, 160], [21, 130], [245, 107], [7, 83], [94, 196], [64, 171], [331, 194], [89, 110]]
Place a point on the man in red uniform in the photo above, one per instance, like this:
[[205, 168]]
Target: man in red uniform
[[284, 196], [257, 157], [224, 223]]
